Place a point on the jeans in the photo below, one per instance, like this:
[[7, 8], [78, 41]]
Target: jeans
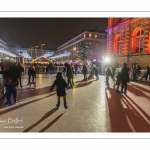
[[19, 80], [97, 77], [32, 78], [11, 90]]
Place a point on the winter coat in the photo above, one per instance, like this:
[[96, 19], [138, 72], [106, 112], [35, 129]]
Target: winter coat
[[95, 71], [108, 72], [118, 81], [69, 72], [11, 75], [60, 84], [31, 72], [21, 69], [84, 70], [125, 75]]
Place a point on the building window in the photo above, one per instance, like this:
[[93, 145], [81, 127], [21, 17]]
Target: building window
[[95, 36], [90, 35], [119, 43], [139, 41]]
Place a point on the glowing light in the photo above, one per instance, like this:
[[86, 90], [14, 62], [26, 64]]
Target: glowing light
[[106, 59]]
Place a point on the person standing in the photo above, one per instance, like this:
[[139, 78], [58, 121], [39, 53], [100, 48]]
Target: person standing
[[84, 71], [113, 71], [69, 75], [124, 78], [31, 72], [11, 75], [96, 73], [146, 73], [108, 73], [50, 68], [134, 71], [46, 71], [61, 84], [21, 70], [76, 68]]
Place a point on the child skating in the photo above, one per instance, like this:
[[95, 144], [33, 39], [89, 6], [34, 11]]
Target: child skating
[[60, 84]]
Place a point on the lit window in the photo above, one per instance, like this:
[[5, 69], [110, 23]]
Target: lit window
[[90, 35], [119, 43], [95, 36], [139, 41]]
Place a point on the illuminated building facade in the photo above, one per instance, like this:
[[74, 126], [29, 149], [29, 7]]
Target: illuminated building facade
[[68, 51], [128, 40]]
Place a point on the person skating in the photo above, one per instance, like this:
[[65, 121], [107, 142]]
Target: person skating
[[84, 71], [76, 68], [118, 81], [31, 72], [96, 73], [21, 70], [146, 73], [60, 84], [69, 75], [124, 78], [108, 73], [113, 71]]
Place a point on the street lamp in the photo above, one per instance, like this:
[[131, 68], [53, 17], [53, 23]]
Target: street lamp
[[31, 51], [36, 51], [42, 48]]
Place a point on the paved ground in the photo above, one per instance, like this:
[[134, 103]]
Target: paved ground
[[93, 107]]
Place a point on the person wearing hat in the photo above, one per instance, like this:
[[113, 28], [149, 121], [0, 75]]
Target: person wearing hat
[[61, 84]]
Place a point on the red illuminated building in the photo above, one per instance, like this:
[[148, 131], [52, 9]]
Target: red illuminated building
[[128, 40]]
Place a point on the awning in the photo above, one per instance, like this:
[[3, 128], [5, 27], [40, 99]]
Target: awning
[[7, 53], [61, 55], [48, 54], [23, 53], [41, 60]]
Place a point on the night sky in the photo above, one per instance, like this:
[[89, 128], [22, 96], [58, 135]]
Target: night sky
[[53, 32]]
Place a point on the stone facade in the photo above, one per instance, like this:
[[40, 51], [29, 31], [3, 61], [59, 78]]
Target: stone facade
[[128, 40]]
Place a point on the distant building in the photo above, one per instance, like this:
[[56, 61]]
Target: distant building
[[68, 51], [128, 40]]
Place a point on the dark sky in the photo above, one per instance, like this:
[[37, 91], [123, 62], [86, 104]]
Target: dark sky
[[53, 32]]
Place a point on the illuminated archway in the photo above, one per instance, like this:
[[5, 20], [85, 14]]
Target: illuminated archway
[[137, 40], [117, 44]]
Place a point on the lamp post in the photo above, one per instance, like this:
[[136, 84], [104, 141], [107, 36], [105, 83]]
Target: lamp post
[[42, 48], [36, 50], [31, 51]]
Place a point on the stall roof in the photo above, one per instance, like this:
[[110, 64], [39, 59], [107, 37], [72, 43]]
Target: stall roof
[[7, 53]]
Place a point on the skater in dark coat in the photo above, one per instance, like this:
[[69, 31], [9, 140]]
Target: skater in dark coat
[[96, 73], [85, 71], [69, 75], [124, 78], [108, 73], [11, 75], [60, 84]]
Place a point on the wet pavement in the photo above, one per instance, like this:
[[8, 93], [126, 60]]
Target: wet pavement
[[93, 106]]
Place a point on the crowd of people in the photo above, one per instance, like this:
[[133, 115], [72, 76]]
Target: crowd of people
[[12, 73]]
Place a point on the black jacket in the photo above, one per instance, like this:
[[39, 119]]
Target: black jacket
[[11, 75], [125, 75], [60, 84]]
